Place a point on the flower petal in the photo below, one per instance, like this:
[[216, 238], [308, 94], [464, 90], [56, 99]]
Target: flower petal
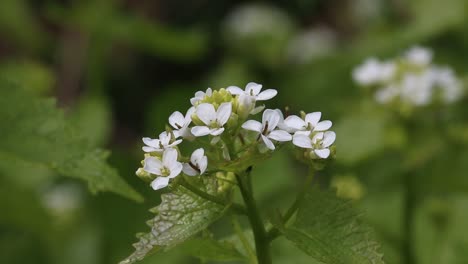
[[187, 169], [159, 183], [302, 141], [151, 149], [175, 143], [235, 90], [197, 155], [216, 131], [280, 135], [151, 142], [223, 113], [153, 165], [200, 131], [313, 118], [295, 123], [203, 164], [272, 117], [328, 138], [324, 125], [253, 88], [257, 109], [188, 116], [175, 169], [177, 120], [253, 125], [268, 143], [207, 113], [322, 153], [267, 94], [169, 157]]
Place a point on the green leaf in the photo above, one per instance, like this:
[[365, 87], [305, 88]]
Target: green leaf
[[33, 130], [210, 249], [329, 230], [180, 216]]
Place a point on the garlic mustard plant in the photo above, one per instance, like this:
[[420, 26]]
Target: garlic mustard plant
[[229, 135]]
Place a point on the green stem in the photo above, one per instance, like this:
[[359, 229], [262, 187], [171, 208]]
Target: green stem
[[237, 208], [274, 232], [408, 218], [262, 244]]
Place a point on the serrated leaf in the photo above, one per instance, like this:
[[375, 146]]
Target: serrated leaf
[[210, 249], [180, 216], [34, 130], [329, 230]]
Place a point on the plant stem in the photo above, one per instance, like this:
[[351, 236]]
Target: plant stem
[[262, 244], [239, 209], [408, 218], [245, 242]]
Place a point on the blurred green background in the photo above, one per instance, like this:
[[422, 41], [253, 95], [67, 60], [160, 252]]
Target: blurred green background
[[120, 68]]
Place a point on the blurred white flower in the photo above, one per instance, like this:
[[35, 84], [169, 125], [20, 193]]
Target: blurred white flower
[[159, 145], [167, 168], [419, 56], [267, 130], [319, 143], [373, 71], [181, 123], [198, 163], [312, 44], [214, 120]]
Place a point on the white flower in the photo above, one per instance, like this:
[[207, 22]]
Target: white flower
[[181, 123], [159, 145], [419, 56], [309, 124], [387, 94], [319, 143], [448, 83], [198, 163], [374, 71], [167, 168], [248, 97], [253, 89], [214, 120], [270, 121], [200, 95]]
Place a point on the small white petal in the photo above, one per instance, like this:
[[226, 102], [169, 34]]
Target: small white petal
[[268, 143], [169, 157], [200, 131], [187, 169], [313, 118], [328, 138], [322, 153], [197, 155], [159, 183], [216, 131], [305, 132], [302, 141], [203, 164], [151, 142], [253, 88], [223, 113], [253, 125], [257, 109], [324, 125], [153, 165], [177, 120], [272, 117], [294, 122], [317, 137], [267, 94], [164, 138], [175, 169], [175, 143], [235, 90], [280, 135], [206, 113], [151, 149]]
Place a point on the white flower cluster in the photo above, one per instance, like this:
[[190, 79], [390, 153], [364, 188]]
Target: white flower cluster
[[410, 79], [220, 115]]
